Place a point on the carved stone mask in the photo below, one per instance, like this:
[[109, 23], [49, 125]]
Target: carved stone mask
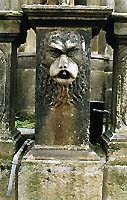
[[66, 49]]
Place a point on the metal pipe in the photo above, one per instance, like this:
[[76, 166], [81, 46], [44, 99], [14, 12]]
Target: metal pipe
[[15, 162]]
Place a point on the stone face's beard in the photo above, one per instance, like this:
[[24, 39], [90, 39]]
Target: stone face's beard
[[63, 70]]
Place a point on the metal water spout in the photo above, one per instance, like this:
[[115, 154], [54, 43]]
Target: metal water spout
[[16, 162]]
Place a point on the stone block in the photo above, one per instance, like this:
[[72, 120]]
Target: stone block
[[115, 183], [55, 175]]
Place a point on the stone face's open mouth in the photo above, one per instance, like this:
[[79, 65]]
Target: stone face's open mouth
[[64, 74]]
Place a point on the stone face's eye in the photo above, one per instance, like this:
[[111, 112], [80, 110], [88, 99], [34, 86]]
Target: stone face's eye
[[55, 53], [72, 51]]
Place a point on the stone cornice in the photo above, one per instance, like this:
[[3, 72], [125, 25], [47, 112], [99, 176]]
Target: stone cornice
[[72, 12], [10, 22], [39, 15]]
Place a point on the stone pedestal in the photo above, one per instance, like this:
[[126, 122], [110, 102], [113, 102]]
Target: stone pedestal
[[61, 164], [56, 173]]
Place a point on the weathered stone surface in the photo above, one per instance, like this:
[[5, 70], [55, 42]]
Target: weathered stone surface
[[5, 168], [120, 6], [115, 183], [6, 154], [97, 62], [62, 115], [119, 105], [108, 99], [93, 2], [29, 2], [108, 80], [108, 90], [97, 85], [117, 153], [6, 117], [5, 51], [120, 28], [74, 15], [9, 5], [10, 23], [56, 178], [6, 26], [25, 95], [3, 66], [29, 47], [26, 60]]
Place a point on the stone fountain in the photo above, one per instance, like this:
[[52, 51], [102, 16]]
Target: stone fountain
[[61, 164]]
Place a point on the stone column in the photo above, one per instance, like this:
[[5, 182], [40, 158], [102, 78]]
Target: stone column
[[9, 31], [115, 173], [119, 103]]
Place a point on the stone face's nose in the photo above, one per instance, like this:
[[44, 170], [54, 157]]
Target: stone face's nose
[[63, 63]]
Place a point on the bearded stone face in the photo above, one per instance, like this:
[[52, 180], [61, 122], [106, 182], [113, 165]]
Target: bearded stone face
[[65, 50], [64, 70]]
